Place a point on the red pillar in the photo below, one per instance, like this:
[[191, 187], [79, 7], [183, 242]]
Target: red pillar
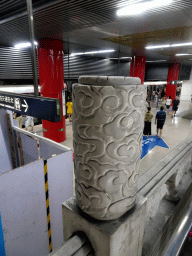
[[137, 68], [51, 79], [173, 75]]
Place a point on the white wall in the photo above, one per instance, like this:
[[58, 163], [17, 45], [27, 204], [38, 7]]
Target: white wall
[[186, 90]]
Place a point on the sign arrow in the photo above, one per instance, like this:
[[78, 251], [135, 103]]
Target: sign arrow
[[41, 107], [150, 143], [25, 106]]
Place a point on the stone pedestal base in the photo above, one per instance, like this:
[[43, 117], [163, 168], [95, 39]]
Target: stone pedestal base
[[120, 237]]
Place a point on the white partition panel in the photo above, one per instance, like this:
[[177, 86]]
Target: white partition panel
[[23, 211], [47, 150], [29, 145], [60, 176]]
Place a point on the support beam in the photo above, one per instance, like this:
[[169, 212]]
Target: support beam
[[33, 47]]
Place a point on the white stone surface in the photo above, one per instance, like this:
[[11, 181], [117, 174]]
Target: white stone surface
[[107, 134], [164, 177], [120, 237], [109, 80], [154, 200]]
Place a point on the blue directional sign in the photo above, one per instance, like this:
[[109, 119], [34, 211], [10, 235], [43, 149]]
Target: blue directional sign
[[40, 107], [150, 143]]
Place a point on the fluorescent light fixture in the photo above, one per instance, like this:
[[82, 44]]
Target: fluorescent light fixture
[[18, 89], [92, 52], [121, 58], [182, 44], [125, 57], [24, 45], [142, 7], [155, 60], [167, 45], [158, 46], [182, 54], [155, 83]]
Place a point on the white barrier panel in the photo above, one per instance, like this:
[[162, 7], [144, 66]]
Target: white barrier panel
[[60, 176], [29, 146], [5, 152], [47, 150], [23, 211]]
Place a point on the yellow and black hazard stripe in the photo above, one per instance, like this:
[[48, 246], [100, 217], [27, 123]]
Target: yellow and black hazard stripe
[[47, 204]]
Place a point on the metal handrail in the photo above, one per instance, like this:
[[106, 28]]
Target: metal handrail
[[178, 237], [51, 142]]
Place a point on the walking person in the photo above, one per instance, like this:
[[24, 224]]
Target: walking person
[[29, 122], [160, 120], [153, 95], [176, 103], [69, 109], [168, 104], [148, 119], [156, 100]]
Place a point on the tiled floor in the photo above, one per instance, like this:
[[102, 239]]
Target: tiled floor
[[175, 131]]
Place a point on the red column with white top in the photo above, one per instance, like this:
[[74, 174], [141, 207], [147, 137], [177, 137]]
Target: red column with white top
[[173, 75], [137, 68], [51, 80]]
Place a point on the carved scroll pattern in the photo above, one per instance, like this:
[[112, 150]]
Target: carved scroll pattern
[[107, 130]]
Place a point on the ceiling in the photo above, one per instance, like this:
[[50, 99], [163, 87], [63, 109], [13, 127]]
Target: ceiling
[[87, 25]]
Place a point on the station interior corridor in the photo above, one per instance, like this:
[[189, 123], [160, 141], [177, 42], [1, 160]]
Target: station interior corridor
[[110, 52], [175, 130]]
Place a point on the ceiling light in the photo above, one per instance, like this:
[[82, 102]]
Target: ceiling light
[[182, 44], [155, 60], [121, 58], [158, 46], [167, 45], [142, 7], [155, 83], [182, 54], [24, 45], [92, 52], [126, 58]]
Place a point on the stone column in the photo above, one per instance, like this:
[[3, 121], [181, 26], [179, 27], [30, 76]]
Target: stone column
[[108, 120]]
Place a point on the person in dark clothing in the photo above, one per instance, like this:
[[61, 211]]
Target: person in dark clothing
[[148, 119], [176, 103], [160, 120]]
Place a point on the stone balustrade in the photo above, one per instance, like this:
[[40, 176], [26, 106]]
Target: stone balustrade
[[157, 182], [112, 206], [164, 177]]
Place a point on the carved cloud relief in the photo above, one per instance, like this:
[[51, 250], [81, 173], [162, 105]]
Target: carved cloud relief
[[107, 129]]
